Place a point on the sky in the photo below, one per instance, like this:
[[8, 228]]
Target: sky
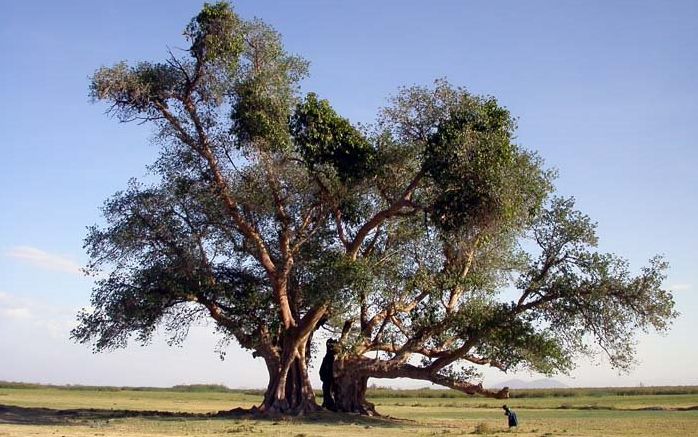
[[606, 92]]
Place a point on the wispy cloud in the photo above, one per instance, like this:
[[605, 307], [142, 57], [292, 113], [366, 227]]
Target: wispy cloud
[[51, 319], [16, 313], [44, 260], [15, 308], [680, 287]]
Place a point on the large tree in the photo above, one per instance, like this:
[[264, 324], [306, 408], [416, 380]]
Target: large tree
[[430, 242], [485, 267]]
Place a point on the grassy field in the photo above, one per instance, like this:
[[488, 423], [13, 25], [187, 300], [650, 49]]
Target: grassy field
[[42, 411]]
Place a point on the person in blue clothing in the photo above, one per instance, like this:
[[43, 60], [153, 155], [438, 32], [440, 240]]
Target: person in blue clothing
[[513, 420]]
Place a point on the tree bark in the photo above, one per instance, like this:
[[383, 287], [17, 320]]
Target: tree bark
[[350, 391], [351, 380], [289, 390], [350, 396]]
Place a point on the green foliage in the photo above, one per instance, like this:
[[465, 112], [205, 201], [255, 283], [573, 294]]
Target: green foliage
[[592, 293], [134, 90], [483, 179], [327, 276], [201, 388], [260, 116], [520, 343], [265, 92], [323, 138], [153, 247], [215, 35]]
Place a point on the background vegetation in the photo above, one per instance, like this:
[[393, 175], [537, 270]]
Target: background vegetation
[[386, 392]]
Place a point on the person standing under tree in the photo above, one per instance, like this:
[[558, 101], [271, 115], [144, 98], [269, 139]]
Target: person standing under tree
[[327, 376], [513, 420]]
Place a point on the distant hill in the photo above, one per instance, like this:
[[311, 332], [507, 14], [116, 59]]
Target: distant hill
[[520, 384]]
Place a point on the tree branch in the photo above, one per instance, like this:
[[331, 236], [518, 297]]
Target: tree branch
[[381, 216]]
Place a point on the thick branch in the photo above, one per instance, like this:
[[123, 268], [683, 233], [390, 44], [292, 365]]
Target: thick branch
[[459, 289], [245, 340], [390, 370], [263, 256], [469, 388], [310, 320], [381, 216]]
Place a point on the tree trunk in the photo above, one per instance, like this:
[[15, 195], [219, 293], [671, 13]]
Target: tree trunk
[[289, 390], [350, 391]]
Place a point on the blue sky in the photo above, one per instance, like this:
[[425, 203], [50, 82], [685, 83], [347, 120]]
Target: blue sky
[[605, 91]]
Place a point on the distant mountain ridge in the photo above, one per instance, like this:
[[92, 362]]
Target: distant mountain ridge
[[538, 383]]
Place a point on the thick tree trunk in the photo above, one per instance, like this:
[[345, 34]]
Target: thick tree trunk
[[350, 396], [289, 390], [350, 391]]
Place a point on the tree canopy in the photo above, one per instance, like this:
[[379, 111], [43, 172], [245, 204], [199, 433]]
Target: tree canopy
[[429, 243]]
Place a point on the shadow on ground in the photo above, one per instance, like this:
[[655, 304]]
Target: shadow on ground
[[10, 414]]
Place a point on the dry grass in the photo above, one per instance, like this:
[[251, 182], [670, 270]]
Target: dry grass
[[410, 416]]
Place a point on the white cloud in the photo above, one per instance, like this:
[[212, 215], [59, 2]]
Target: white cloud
[[53, 320], [44, 260], [14, 308], [680, 287], [16, 313]]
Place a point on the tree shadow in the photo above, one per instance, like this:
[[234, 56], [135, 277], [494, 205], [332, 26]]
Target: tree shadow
[[11, 414], [339, 419], [14, 415]]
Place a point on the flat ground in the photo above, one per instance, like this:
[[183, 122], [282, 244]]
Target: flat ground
[[127, 413]]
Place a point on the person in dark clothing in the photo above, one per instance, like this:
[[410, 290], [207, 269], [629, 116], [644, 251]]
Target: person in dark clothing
[[327, 376], [513, 420]]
